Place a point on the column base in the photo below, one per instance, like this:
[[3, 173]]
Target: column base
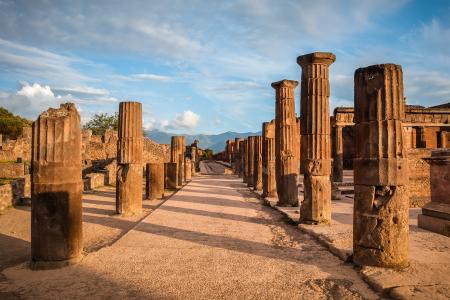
[[49, 265]]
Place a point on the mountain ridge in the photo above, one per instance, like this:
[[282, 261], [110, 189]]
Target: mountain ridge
[[215, 142]]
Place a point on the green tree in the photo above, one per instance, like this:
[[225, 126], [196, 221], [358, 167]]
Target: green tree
[[102, 122], [11, 125]]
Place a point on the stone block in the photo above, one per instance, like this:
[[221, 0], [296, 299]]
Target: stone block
[[11, 169], [381, 171], [316, 205]]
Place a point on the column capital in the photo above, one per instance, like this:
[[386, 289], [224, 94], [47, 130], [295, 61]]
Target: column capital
[[285, 83], [324, 58]]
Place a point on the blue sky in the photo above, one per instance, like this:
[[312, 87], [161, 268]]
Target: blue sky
[[206, 66]]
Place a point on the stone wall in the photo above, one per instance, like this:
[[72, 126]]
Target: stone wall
[[419, 177], [6, 198], [13, 149], [11, 169], [15, 192], [94, 180]]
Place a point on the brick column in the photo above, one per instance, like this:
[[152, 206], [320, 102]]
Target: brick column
[[268, 159], [56, 211], [285, 141], [154, 183], [129, 159], [315, 135], [257, 164], [380, 220]]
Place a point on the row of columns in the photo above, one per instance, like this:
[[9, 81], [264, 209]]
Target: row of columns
[[56, 179], [380, 226]]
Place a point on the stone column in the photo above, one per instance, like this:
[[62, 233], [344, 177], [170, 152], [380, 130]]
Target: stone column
[[129, 159], [297, 145], [171, 175], [268, 159], [338, 151], [237, 156], [194, 159], [380, 218], [177, 156], [285, 141], [154, 183], [257, 164], [241, 158], [56, 211], [443, 139], [315, 135], [244, 160], [250, 160], [187, 165]]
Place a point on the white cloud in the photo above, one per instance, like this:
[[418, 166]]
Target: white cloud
[[186, 120], [151, 77]]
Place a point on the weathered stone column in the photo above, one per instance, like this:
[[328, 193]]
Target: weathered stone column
[[338, 151], [171, 175], [129, 159], [244, 154], [250, 160], [380, 219], [177, 156], [257, 164], [194, 159], [443, 139], [285, 141], [268, 159], [237, 156], [297, 145], [187, 165], [154, 183], [241, 158], [56, 211], [315, 137]]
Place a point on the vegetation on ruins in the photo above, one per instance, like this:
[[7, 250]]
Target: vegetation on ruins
[[102, 122], [11, 125]]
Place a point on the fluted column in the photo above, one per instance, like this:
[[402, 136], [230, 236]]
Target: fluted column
[[194, 159], [380, 224], [154, 183], [56, 211], [268, 159], [244, 160], [338, 154], [237, 156], [177, 156], [257, 164], [251, 161], [285, 141], [129, 159], [315, 137]]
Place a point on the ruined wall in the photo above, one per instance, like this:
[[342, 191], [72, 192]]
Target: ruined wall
[[13, 149], [419, 177], [12, 193], [12, 169]]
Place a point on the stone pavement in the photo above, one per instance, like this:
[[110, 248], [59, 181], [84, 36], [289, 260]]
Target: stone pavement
[[212, 239], [429, 253]]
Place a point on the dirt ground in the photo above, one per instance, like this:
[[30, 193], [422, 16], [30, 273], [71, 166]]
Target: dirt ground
[[211, 240]]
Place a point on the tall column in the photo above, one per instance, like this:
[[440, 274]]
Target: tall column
[[244, 160], [177, 156], [285, 141], [237, 156], [56, 211], [241, 158], [338, 154], [268, 159], [129, 159], [257, 164], [250, 160], [315, 137], [297, 145], [187, 166], [154, 181], [194, 159], [380, 219]]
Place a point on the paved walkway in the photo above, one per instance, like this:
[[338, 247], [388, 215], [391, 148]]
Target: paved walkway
[[212, 239]]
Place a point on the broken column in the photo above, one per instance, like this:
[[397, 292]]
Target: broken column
[[171, 175], [285, 141], [268, 159], [56, 211], [129, 159], [380, 219], [177, 156], [244, 160], [315, 137], [250, 160], [257, 164], [154, 183], [187, 166]]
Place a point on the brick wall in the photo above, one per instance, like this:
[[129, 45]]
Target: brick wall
[[419, 177]]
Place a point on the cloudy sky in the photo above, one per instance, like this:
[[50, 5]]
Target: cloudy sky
[[206, 66]]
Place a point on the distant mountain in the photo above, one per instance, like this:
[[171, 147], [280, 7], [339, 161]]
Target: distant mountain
[[215, 142]]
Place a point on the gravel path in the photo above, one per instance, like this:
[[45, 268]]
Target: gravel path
[[210, 240]]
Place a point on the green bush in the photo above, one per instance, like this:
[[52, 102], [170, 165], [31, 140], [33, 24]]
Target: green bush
[[12, 126], [102, 122]]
